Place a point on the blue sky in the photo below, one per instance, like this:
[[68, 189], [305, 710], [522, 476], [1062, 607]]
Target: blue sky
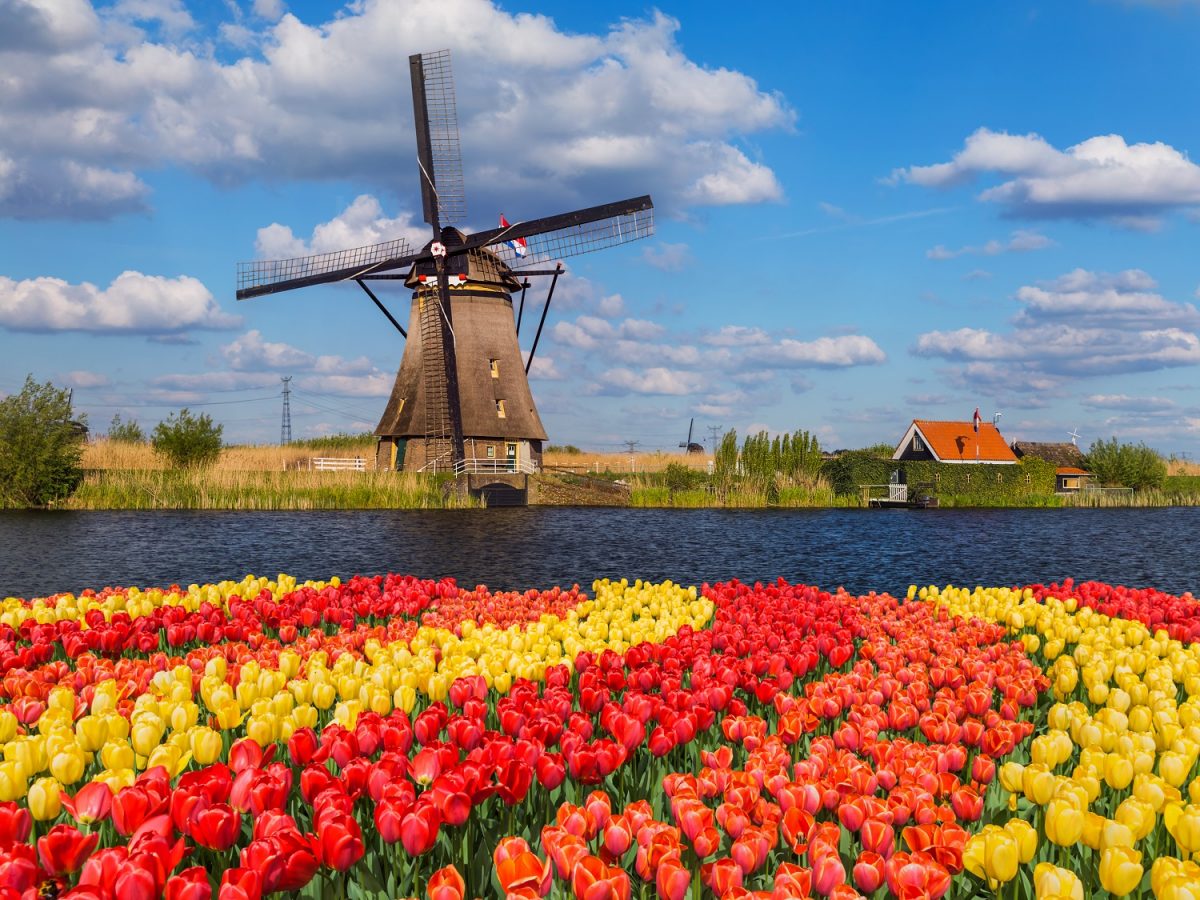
[[864, 215]]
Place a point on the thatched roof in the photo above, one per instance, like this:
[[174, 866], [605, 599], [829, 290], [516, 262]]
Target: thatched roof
[[1059, 454]]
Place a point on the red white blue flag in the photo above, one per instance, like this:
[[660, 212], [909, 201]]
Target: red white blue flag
[[976, 420], [518, 245]]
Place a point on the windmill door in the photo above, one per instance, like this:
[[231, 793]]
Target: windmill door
[[511, 456]]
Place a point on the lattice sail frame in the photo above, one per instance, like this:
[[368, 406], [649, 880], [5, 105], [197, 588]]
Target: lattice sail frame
[[261, 273], [576, 240], [446, 152]]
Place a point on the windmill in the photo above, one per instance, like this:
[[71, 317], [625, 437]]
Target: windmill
[[461, 400], [1074, 435], [689, 445]]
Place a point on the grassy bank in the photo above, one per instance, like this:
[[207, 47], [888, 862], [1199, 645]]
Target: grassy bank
[[260, 490]]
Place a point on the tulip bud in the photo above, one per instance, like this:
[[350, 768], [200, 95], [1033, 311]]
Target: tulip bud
[[45, 799]]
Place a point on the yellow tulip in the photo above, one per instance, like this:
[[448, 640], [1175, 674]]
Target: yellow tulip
[[45, 799], [1120, 870], [1026, 837], [1064, 822], [992, 854], [206, 745], [68, 765], [1052, 883]]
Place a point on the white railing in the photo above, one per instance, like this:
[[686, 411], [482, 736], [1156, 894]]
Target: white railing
[[338, 464], [475, 466], [896, 493]]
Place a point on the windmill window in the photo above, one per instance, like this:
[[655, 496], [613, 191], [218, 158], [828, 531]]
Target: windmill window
[[494, 365], [916, 444], [500, 409], [491, 451]]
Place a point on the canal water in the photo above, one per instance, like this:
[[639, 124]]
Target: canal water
[[883, 550]]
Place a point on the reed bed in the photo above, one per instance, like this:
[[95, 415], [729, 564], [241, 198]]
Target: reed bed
[[105, 454], [218, 488], [623, 463], [1150, 497]]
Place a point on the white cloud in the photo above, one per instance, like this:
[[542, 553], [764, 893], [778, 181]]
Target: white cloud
[[1100, 178], [611, 306], [545, 369], [360, 224], [1109, 300], [655, 380], [250, 353], [133, 304], [82, 380], [1080, 325], [373, 384], [1133, 404], [738, 336], [611, 114], [668, 257], [640, 329], [1019, 242], [825, 352]]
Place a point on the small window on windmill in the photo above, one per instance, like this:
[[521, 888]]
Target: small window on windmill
[[491, 451], [500, 409], [494, 365]]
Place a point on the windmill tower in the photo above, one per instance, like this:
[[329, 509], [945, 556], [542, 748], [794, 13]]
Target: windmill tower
[[461, 400]]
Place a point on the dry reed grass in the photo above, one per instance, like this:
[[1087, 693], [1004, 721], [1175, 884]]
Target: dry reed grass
[[105, 454], [621, 462], [1182, 467]]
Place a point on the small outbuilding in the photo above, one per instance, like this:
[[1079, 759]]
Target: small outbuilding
[[1069, 476], [954, 442]]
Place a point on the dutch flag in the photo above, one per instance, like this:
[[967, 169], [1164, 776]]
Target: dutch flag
[[517, 244], [976, 420]]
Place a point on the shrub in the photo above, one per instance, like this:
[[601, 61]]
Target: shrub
[[568, 449], [679, 477], [40, 446], [1131, 465], [188, 441], [126, 432]]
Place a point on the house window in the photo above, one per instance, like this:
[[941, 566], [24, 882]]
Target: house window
[[491, 451], [1071, 484], [937, 477], [917, 445], [968, 478], [1029, 479], [999, 478], [500, 409], [494, 365]]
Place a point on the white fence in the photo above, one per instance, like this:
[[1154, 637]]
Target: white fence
[[495, 466], [338, 464]]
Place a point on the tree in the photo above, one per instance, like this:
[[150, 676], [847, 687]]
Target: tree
[[188, 440], [40, 446], [126, 432], [1132, 465]]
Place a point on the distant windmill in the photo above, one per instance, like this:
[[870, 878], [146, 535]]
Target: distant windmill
[[462, 391], [1074, 434], [690, 445]]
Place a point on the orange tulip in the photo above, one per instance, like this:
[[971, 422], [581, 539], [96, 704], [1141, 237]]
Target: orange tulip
[[593, 880], [446, 884]]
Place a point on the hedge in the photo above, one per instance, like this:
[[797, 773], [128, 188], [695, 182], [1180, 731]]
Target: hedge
[[850, 471]]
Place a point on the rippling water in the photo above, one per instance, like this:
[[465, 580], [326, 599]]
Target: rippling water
[[45, 552]]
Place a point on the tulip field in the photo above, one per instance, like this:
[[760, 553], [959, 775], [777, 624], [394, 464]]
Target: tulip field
[[392, 737]]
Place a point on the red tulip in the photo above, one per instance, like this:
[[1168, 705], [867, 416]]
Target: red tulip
[[341, 843], [63, 849], [419, 829], [721, 876], [216, 827], [792, 881], [190, 884], [868, 872], [92, 803], [828, 873], [446, 884], [15, 824], [303, 746], [672, 880], [240, 884], [593, 880]]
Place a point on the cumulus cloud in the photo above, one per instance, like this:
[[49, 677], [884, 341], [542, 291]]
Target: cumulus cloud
[[1079, 325], [250, 353], [825, 352], [1019, 242], [612, 113], [133, 304], [360, 224], [1100, 178], [654, 380], [738, 336]]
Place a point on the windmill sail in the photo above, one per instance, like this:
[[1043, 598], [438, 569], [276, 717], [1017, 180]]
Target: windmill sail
[[439, 155], [270, 276], [571, 234]]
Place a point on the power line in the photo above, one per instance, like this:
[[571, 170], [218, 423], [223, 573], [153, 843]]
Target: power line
[[361, 413], [715, 433], [631, 445]]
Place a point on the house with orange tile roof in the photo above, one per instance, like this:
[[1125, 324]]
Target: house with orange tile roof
[[1070, 476], [954, 442]]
